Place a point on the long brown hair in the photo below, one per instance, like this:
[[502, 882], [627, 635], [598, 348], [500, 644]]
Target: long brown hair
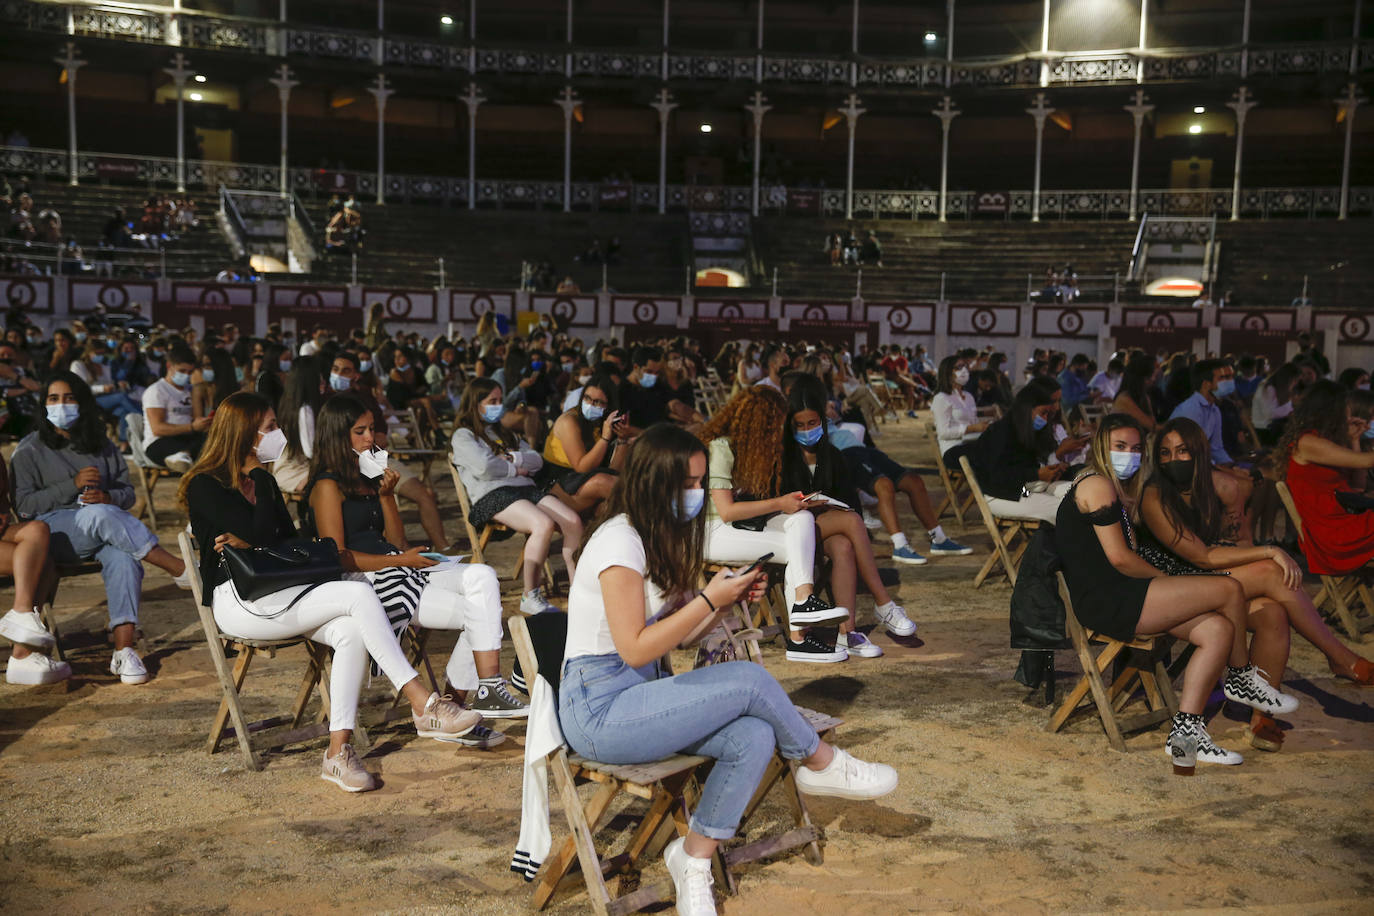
[[753, 422], [649, 491], [469, 417], [334, 453], [233, 434], [1204, 516], [1321, 410]]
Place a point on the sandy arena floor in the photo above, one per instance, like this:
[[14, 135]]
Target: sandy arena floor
[[110, 799]]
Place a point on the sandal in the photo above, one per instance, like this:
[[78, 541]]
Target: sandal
[[1363, 673], [1265, 735]]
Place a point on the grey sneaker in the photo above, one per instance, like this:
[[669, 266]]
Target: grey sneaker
[[444, 719], [480, 737], [535, 603], [347, 772], [494, 701]]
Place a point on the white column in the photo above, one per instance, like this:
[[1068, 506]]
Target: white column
[[664, 106], [758, 46], [758, 108], [284, 84], [281, 10], [1355, 40], [949, 42], [71, 64], [1144, 30], [1348, 103], [381, 93], [381, 15], [854, 46], [472, 99], [180, 73], [1039, 111], [1045, 45], [946, 113], [568, 101], [1245, 40], [1139, 109], [567, 57], [663, 65], [851, 112], [1241, 103]]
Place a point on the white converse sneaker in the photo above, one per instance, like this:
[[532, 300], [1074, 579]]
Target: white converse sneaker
[[35, 669], [128, 666], [1248, 685], [1189, 734], [848, 777], [535, 603], [26, 628], [858, 644], [893, 617], [691, 879]]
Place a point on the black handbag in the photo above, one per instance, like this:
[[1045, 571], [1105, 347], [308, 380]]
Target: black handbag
[[260, 571]]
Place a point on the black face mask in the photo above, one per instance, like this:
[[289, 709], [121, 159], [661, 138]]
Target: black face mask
[[1179, 473]]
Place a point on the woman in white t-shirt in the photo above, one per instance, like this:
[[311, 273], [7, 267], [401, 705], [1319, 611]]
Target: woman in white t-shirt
[[618, 705], [956, 414]]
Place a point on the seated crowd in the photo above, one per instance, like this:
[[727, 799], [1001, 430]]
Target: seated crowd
[[1150, 474]]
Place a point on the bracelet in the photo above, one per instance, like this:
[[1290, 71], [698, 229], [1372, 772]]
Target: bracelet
[[703, 597]]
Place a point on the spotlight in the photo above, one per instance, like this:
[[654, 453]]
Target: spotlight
[[931, 36], [1199, 109], [196, 96], [1194, 128], [706, 128], [446, 20], [200, 77]]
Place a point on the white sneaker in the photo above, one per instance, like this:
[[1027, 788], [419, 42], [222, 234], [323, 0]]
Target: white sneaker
[[848, 777], [183, 580], [128, 666], [1248, 685], [535, 603], [858, 644], [871, 523], [894, 618], [180, 462], [35, 669], [26, 628], [691, 879]]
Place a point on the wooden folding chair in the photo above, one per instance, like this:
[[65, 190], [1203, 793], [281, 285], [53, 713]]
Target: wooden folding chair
[[145, 471], [664, 784], [954, 484], [1345, 598], [1010, 536], [1143, 659], [479, 539]]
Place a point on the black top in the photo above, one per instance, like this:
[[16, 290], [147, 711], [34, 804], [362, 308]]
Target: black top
[[686, 392], [644, 406], [1002, 463], [364, 524], [831, 475], [216, 509], [1104, 598]]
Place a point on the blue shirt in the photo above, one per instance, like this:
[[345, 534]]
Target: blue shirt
[[1207, 415], [1073, 390], [841, 438]]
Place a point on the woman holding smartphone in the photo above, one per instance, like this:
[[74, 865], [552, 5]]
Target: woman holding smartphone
[[635, 599], [352, 499], [587, 447]]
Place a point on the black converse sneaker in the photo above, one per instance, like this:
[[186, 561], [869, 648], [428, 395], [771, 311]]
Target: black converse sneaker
[[815, 610], [494, 701], [480, 737], [1248, 685], [1188, 739], [816, 646]]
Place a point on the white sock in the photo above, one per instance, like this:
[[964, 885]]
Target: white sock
[[937, 534], [899, 541], [886, 607]]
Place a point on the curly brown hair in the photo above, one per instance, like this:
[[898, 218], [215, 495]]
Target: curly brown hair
[[753, 421], [1321, 410]]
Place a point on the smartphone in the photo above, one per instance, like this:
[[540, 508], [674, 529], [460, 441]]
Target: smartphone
[[757, 564], [436, 557], [811, 498]]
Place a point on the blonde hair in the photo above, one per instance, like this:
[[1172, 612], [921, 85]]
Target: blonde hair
[[1100, 460]]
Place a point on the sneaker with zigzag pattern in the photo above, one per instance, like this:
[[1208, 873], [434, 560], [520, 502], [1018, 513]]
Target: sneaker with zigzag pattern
[[1248, 685]]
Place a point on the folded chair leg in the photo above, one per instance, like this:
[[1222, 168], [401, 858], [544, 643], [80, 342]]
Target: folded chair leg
[[45, 613], [236, 681]]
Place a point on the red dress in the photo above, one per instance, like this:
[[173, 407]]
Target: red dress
[[1334, 541]]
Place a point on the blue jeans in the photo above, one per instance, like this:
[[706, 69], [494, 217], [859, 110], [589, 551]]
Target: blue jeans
[[119, 404], [735, 712], [115, 538]]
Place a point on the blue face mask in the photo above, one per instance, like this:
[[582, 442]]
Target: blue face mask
[[1039, 422], [690, 505], [536, 365], [339, 383], [181, 379], [493, 412], [365, 366], [63, 416], [1226, 387], [648, 379], [100, 358], [809, 437], [157, 354], [1125, 464], [592, 413], [238, 373], [207, 375], [284, 365]]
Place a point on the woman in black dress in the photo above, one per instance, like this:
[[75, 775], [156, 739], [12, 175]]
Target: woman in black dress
[[1116, 592]]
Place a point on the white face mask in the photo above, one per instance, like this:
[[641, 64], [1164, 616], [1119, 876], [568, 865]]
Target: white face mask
[[372, 464], [1125, 464], [961, 376], [271, 446]]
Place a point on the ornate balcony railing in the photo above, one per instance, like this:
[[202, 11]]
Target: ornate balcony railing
[[154, 171], [189, 28]]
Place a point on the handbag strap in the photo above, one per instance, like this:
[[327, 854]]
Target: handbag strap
[[294, 601]]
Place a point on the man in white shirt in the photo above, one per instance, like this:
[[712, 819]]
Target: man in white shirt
[[319, 337], [171, 435], [1106, 384]]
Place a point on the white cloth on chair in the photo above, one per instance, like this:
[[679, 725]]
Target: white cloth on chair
[[543, 736]]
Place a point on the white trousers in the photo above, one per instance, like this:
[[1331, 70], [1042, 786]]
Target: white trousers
[[790, 538], [344, 615], [467, 597], [1044, 505]]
